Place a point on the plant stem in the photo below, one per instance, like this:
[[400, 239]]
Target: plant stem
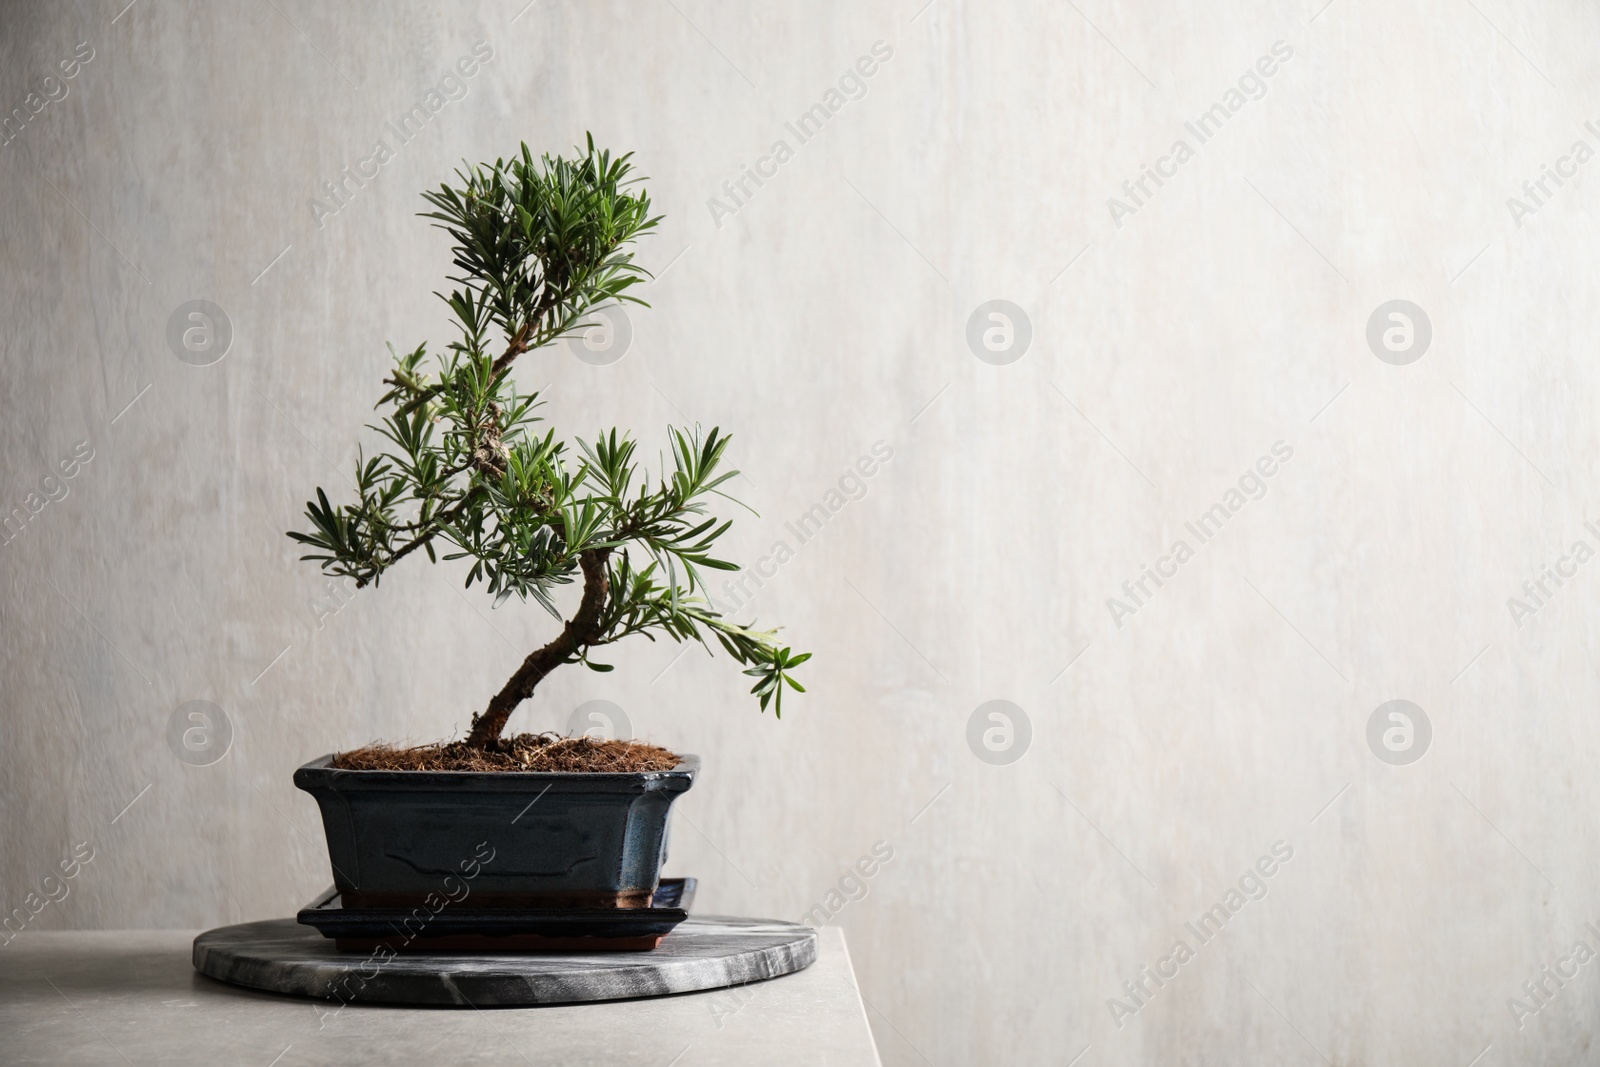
[[579, 632], [437, 523], [518, 345]]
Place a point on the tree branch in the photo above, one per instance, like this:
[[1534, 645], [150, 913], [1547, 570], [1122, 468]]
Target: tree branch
[[438, 522], [518, 345]]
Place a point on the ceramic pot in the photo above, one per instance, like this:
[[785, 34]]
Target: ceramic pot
[[509, 839]]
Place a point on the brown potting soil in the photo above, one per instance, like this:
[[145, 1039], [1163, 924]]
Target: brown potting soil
[[525, 752]]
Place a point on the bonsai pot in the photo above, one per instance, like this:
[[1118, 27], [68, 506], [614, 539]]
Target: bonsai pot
[[511, 839]]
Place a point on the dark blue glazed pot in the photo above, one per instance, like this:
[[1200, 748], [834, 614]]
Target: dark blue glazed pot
[[506, 839]]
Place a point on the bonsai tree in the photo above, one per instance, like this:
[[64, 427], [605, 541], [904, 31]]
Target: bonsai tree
[[464, 474]]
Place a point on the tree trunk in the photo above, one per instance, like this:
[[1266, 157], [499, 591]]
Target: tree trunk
[[578, 632]]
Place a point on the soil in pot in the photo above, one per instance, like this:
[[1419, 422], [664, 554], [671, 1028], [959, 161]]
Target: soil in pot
[[526, 752]]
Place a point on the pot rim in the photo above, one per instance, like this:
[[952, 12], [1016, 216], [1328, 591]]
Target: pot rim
[[688, 767]]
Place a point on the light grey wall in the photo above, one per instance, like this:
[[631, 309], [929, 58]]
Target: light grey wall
[[1172, 346]]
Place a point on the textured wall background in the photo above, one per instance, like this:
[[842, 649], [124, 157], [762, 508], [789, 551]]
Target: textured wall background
[[1172, 743]]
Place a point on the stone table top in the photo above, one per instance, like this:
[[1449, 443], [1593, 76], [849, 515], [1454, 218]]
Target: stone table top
[[133, 997], [704, 953]]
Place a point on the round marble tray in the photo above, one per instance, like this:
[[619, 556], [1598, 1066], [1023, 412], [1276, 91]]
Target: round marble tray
[[704, 952]]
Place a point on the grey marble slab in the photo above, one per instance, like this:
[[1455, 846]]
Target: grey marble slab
[[115, 997], [704, 952]]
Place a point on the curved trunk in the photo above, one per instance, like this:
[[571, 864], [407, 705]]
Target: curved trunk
[[580, 630]]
